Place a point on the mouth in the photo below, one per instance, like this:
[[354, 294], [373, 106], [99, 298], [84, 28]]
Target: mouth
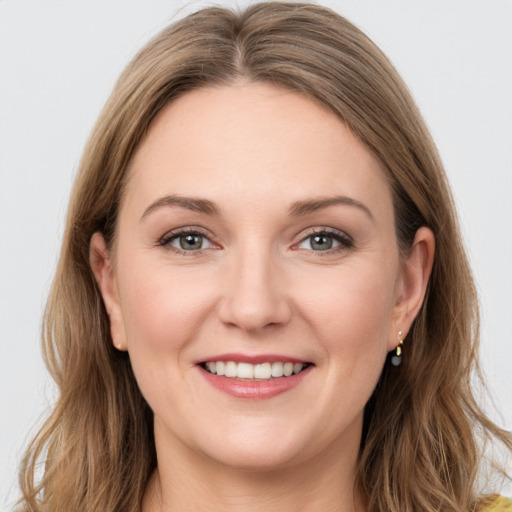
[[264, 371], [254, 377]]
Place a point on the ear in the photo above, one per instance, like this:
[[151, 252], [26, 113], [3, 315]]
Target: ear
[[101, 265], [412, 285]]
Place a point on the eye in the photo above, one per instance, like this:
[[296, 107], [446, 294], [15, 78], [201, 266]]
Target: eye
[[322, 241], [188, 241]]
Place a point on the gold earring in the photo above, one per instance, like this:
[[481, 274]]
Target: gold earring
[[119, 346], [396, 358]]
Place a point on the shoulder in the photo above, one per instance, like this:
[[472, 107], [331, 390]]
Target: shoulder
[[499, 504]]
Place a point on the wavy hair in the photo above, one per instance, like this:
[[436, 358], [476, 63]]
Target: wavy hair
[[421, 447]]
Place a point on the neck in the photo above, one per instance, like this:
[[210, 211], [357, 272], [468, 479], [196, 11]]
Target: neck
[[189, 482]]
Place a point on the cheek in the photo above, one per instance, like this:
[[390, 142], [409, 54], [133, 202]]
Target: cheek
[[163, 310], [348, 311], [161, 307], [351, 309]]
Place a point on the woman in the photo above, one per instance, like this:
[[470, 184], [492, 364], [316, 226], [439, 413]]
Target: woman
[[262, 300]]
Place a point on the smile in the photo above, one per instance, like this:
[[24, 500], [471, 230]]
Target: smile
[[256, 372]]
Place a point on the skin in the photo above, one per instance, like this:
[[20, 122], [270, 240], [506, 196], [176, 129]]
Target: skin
[[257, 286]]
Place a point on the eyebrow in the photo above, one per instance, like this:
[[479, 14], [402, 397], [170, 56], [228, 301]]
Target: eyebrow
[[190, 203], [300, 208]]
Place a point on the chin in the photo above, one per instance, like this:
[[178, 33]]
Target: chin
[[257, 458], [264, 445]]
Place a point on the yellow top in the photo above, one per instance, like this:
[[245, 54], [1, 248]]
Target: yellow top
[[500, 504]]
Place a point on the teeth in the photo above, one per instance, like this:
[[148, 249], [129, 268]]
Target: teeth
[[264, 371], [231, 369], [219, 368], [245, 371], [277, 370]]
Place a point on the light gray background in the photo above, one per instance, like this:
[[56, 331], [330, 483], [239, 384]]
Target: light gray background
[[58, 63]]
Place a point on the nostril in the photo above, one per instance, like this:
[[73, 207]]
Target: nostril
[[251, 312], [253, 294]]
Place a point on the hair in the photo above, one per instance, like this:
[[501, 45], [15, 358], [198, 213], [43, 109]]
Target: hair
[[422, 437]]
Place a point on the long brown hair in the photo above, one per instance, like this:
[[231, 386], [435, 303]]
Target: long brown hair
[[420, 449]]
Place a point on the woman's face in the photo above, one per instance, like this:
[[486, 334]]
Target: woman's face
[[255, 238]]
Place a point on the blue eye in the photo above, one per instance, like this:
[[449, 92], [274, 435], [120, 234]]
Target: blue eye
[[325, 241], [187, 241]]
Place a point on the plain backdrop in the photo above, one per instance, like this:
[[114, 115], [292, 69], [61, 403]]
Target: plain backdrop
[[58, 63]]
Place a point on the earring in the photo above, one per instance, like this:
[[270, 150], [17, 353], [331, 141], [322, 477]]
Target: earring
[[119, 346], [396, 358]]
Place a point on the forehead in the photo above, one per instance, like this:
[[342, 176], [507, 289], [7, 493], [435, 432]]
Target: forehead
[[220, 142]]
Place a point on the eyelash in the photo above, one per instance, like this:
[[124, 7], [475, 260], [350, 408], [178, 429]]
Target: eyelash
[[174, 235], [345, 242]]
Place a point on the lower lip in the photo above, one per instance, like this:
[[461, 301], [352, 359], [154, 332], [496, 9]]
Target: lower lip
[[255, 389]]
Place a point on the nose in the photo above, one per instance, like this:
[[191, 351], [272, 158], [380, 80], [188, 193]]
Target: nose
[[254, 291]]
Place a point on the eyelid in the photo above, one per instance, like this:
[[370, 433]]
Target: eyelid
[[173, 234], [345, 241]]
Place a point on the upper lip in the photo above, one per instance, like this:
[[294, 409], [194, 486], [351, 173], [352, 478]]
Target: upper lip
[[253, 359]]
